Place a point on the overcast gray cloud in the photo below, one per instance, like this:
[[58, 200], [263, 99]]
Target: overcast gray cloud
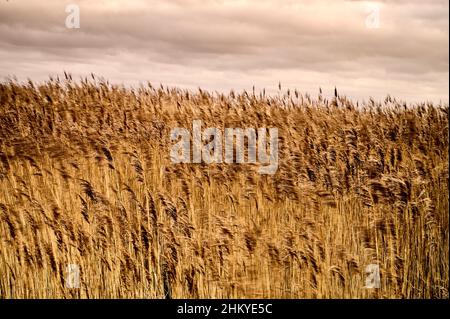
[[224, 44]]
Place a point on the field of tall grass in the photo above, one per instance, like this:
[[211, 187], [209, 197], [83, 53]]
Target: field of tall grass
[[86, 179]]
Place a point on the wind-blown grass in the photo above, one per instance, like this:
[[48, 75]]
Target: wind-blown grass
[[86, 178]]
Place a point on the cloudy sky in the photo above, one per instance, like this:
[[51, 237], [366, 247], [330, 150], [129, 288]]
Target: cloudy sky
[[365, 48]]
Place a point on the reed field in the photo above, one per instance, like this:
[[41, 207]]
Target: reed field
[[86, 179]]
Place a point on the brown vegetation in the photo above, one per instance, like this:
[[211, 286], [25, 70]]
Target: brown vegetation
[[86, 178]]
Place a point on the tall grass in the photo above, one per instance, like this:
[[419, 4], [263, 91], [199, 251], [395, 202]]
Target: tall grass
[[86, 178]]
